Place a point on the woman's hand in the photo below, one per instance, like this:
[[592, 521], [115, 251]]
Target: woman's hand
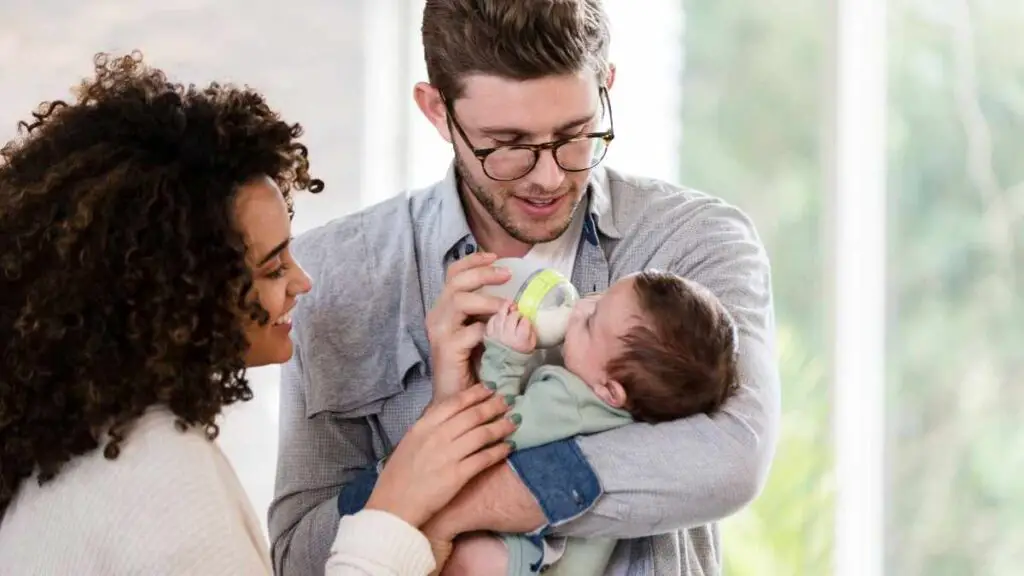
[[450, 444], [451, 328]]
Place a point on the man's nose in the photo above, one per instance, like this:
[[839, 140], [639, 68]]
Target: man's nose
[[547, 174]]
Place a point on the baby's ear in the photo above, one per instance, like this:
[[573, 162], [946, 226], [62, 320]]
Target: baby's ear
[[613, 393]]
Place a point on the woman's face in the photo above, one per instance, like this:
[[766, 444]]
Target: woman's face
[[262, 218]]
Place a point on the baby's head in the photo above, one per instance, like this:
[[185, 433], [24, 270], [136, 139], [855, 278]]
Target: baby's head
[[658, 345]]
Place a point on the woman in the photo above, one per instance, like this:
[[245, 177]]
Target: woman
[[144, 265]]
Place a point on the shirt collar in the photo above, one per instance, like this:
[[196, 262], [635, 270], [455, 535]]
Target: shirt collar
[[454, 227], [601, 202]]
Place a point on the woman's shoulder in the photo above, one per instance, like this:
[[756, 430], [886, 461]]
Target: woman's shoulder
[[179, 463], [157, 456], [165, 485], [156, 440]]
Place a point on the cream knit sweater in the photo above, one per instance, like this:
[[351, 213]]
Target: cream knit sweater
[[170, 504]]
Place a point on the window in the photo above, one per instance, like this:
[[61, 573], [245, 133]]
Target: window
[[754, 101], [955, 330], [877, 146]]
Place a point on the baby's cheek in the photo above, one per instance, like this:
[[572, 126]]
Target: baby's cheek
[[571, 354]]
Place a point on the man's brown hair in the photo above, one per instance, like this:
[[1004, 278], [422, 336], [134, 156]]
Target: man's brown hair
[[515, 39], [681, 360]]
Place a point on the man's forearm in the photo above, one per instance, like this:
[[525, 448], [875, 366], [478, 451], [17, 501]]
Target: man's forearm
[[640, 480], [495, 500], [631, 482], [650, 487]]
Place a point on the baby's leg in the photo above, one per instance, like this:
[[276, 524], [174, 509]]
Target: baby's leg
[[522, 553], [477, 553]]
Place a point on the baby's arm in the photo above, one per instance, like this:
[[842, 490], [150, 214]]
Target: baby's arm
[[557, 404], [508, 346], [502, 368]]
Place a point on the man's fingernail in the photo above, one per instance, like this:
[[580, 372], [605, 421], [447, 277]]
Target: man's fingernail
[[516, 419], [510, 399], [511, 444]]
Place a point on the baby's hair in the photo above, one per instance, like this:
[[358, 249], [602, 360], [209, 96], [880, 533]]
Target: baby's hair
[[681, 360]]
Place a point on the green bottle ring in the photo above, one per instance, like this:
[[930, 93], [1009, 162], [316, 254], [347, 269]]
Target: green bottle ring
[[535, 290]]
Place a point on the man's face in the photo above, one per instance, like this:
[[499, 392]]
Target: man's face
[[494, 111]]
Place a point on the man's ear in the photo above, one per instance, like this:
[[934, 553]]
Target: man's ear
[[611, 76], [430, 103]]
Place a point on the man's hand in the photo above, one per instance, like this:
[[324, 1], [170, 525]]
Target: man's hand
[[510, 328], [450, 327], [495, 500]]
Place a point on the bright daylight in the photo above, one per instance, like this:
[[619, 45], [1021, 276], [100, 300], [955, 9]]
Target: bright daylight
[[864, 166]]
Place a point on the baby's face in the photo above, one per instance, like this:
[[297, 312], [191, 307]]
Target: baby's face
[[596, 326]]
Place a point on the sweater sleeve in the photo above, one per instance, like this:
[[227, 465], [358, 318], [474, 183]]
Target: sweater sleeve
[[502, 368], [376, 543]]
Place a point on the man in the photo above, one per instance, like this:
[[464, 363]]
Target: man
[[522, 91]]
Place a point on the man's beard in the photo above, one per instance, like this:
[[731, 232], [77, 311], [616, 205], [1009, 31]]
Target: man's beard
[[503, 218]]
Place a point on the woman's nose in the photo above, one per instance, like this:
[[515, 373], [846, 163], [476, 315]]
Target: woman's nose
[[302, 283]]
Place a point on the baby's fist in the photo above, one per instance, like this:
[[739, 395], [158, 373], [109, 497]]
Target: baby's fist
[[510, 328]]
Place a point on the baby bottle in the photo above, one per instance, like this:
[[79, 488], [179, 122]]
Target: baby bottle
[[543, 295]]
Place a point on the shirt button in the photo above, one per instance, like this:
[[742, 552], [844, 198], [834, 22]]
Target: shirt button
[[469, 249]]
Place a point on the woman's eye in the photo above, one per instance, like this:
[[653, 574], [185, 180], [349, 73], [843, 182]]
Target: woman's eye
[[277, 272]]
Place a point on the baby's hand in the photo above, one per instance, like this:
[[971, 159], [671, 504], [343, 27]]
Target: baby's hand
[[510, 328]]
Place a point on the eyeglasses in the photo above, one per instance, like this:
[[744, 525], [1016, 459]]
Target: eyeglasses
[[512, 162]]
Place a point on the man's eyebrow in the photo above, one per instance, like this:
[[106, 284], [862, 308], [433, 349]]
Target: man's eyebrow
[[518, 133], [275, 251]]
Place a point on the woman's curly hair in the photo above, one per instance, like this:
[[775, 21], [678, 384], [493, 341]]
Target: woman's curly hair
[[122, 275]]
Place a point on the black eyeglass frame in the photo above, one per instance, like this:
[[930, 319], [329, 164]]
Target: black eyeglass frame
[[481, 154]]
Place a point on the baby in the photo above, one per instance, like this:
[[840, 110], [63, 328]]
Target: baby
[[654, 347]]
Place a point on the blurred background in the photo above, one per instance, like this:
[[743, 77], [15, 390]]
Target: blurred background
[[879, 147]]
